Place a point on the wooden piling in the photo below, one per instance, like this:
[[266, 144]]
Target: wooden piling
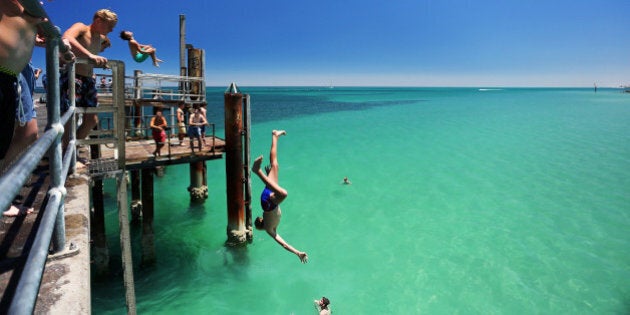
[[125, 244], [195, 69], [136, 201], [148, 237], [182, 50], [100, 251], [234, 165], [246, 168], [198, 188]]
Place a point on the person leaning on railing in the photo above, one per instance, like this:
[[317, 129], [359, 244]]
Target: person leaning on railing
[[86, 42], [18, 31]]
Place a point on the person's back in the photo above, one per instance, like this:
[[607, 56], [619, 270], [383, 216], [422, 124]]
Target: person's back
[[17, 36], [18, 30], [133, 47]]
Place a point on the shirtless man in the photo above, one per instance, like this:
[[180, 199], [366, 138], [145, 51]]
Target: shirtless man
[[181, 123], [17, 38], [86, 42], [18, 31], [203, 111], [195, 122], [272, 196]]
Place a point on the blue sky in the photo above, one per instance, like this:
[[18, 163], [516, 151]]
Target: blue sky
[[377, 42]]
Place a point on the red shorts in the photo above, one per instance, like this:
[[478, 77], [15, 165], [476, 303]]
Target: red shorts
[[159, 136]]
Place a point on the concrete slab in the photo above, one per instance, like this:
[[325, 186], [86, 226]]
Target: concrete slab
[[65, 287]]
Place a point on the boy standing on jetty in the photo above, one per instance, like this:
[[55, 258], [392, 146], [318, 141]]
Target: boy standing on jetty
[[195, 122], [86, 41], [158, 128], [140, 52]]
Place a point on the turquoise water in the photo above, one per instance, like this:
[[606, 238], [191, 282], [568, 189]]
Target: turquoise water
[[462, 201]]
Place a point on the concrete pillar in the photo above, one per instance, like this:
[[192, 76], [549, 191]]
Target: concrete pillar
[[198, 188], [236, 231]]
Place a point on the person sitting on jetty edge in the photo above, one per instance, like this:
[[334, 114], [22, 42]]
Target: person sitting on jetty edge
[[272, 196], [140, 52]]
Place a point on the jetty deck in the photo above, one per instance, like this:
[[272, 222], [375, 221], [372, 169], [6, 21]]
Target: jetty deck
[[139, 153], [65, 286], [46, 258]]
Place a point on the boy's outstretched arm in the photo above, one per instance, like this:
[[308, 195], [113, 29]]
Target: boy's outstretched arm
[[302, 255]]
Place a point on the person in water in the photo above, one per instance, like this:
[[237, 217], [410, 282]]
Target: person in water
[[140, 52], [346, 181], [272, 196], [322, 306]]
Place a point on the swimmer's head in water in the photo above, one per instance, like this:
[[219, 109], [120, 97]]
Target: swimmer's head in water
[[259, 223], [324, 302]]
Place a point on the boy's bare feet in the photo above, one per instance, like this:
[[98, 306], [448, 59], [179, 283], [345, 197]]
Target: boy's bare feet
[[257, 163], [15, 211]]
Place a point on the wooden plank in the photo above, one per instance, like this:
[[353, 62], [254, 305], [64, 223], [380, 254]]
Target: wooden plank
[[139, 155]]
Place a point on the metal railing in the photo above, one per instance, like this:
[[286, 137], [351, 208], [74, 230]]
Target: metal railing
[[52, 225], [165, 87], [50, 234]]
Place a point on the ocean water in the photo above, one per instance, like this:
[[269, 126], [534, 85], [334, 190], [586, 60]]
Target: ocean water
[[463, 201]]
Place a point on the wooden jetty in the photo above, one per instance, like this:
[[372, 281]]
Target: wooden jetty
[[127, 147], [122, 147]]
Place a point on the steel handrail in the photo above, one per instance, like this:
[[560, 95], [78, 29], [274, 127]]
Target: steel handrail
[[52, 226]]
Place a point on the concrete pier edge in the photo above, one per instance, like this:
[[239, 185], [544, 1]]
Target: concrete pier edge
[[65, 287]]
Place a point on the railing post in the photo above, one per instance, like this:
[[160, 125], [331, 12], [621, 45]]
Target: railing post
[[54, 153], [118, 99]]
